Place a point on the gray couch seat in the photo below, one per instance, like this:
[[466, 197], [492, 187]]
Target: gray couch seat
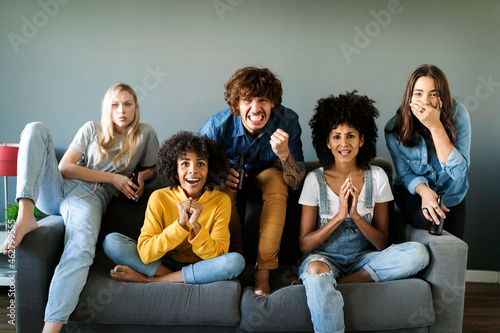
[[367, 306], [106, 301], [430, 302]]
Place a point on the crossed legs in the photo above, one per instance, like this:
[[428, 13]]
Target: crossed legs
[[123, 251]]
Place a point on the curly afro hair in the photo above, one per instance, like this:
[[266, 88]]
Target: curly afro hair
[[177, 145], [348, 109]]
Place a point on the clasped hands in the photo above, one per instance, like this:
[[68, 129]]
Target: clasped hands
[[348, 199], [189, 211]]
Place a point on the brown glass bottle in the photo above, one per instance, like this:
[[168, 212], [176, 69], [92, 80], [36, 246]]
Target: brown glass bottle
[[437, 229], [134, 180], [240, 169]]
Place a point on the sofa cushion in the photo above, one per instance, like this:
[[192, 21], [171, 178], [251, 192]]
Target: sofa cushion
[[367, 306], [106, 301], [126, 216]]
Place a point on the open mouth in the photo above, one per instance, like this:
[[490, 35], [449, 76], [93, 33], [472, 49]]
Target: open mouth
[[256, 117], [344, 152], [193, 181]]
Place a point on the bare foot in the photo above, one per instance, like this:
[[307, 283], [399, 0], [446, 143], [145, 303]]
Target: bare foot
[[127, 274], [261, 286], [23, 226]]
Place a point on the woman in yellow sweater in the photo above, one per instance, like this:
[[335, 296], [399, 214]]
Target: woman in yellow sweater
[[185, 237]]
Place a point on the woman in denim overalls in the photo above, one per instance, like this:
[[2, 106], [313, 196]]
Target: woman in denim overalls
[[345, 219]]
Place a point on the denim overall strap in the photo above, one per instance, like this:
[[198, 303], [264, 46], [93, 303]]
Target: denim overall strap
[[323, 202], [368, 188]]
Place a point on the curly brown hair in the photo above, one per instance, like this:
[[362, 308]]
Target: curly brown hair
[[252, 82], [177, 145], [350, 109]]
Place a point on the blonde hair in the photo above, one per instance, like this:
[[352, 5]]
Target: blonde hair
[[108, 133]]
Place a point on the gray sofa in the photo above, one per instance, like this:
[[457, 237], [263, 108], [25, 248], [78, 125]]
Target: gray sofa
[[429, 302]]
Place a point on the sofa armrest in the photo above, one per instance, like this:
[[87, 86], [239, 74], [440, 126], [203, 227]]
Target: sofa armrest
[[35, 260], [446, 275]]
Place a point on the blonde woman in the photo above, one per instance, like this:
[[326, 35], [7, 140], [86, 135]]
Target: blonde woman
[[96, 167]]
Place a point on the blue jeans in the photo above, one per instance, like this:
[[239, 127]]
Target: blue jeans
[[123, 251], [325, 301], [39, 179]]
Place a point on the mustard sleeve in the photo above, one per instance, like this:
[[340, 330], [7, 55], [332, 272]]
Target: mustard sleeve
[[213, 238], [161, 231]]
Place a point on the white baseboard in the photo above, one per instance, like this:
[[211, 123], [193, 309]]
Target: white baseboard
[[482, 276]]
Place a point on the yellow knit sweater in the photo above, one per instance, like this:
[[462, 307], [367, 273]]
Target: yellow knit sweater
[[162, 234]]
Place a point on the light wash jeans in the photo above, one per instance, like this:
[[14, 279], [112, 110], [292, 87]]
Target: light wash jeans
[[123, 251], [325, 301], [39, 179], [347, 251]]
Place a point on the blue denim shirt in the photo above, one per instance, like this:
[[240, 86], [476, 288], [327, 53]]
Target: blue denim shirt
[[228, 130], [417, 165]]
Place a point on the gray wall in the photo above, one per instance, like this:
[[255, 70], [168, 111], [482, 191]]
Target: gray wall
[[58, 58]]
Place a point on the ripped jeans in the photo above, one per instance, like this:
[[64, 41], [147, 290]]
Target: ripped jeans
[[325, 302]]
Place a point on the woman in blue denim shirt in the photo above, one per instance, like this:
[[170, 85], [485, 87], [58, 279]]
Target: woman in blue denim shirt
[[429, 141], [344, 226]]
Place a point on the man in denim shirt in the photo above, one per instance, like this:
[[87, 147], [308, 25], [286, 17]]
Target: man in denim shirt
[[267, 134]]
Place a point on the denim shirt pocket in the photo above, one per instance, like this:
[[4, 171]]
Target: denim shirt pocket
[[417, 166]]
